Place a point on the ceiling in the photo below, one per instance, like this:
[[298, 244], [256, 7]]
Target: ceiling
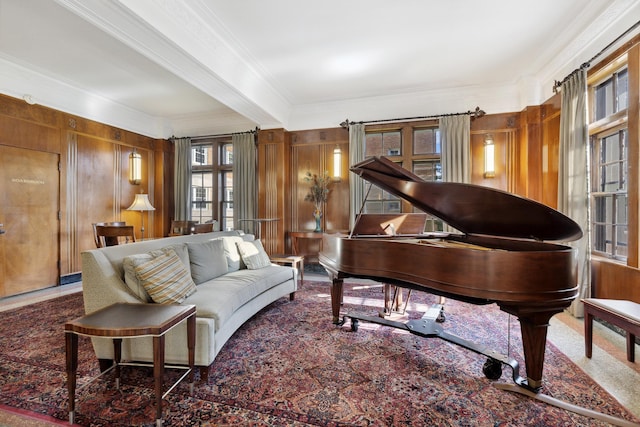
[[200, 67]]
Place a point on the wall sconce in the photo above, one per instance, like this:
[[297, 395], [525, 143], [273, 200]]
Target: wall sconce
[[135, 167], [337, 164], [489, 157]]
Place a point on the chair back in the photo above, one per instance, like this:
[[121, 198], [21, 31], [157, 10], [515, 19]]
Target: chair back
[[181, 228], [207, 227], [95, 234], [112, 235]]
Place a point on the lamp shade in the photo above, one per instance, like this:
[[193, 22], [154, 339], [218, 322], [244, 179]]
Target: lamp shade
[[141, 203]]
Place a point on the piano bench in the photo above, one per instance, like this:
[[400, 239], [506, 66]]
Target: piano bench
[[621, 313]]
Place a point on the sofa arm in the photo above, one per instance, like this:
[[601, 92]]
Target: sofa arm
[[102, 285]]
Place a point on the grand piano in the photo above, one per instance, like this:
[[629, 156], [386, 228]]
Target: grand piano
[[501, 254]]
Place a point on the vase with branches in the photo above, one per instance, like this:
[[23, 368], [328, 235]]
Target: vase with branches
[[318, 194]]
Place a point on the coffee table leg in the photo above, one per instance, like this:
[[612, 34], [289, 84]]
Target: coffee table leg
[[117, 357], [191, 347], [158, 374], [71, 344]]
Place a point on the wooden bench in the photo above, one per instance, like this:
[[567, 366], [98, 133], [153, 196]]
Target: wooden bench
[[621, 313]]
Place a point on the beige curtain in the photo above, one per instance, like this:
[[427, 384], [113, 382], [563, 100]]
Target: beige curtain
[[182, 179], [356, 184], [573, 177], [245, 189], [455, 137]]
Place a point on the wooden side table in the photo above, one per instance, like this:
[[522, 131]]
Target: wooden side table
[[295, 261], [123, 320]]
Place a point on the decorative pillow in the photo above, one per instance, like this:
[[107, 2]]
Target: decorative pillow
[[253, 254], [234, 262], [165, 278], [129, 263], [207, 260]]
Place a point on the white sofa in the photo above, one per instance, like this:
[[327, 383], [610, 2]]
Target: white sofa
[[223, 303]]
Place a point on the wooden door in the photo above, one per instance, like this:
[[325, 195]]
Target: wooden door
[[29, 199]]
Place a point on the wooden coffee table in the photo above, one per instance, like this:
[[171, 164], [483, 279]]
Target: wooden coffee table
[[123, 320]]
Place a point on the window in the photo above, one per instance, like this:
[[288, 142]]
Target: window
[[212, 182], [415, 146], [609, 195], [609, 165]]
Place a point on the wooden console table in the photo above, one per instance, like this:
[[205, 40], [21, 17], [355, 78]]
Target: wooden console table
[[312, 235], [123, 320]]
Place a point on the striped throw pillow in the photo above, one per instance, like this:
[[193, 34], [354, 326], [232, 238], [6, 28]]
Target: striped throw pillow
[[165, 278]]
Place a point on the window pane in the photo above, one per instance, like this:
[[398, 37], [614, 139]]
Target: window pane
[[426, 141], [201, 155], [621, 241], [227, 154], [604, 99], [430, 170], [383, 144], [622, 90], [391, 144]]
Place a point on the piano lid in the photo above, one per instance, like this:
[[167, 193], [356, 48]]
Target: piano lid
[[471, 209]]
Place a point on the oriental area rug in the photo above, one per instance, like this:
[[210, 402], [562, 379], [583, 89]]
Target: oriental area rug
[[290, 366]]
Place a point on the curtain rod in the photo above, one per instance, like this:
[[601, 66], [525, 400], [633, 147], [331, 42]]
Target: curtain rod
[[220, 135], [475, 113], [584, 66]]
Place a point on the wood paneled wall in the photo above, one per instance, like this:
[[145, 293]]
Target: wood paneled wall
[[94, 183], [284, 158], [273, 187]]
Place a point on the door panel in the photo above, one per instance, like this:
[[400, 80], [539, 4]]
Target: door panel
[[29, 200]]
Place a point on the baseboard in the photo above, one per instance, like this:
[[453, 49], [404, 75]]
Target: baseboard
[[70, 278]]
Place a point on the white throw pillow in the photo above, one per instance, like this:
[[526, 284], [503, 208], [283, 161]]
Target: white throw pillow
[[234, 262], [253, 255]]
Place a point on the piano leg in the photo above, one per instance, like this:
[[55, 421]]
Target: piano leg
[[533, 325], [336, 299]]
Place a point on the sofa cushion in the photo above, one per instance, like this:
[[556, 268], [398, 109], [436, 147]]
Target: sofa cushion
[[253, 255], [234, 262], [130, 262], [221, 297], [165, 278], [207, 260]]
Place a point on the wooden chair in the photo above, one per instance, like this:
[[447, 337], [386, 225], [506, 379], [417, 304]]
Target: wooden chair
[[207, 227], [181, 228], [95, 234], [111, 235]]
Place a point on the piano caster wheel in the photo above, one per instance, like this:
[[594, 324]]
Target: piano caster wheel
[[441, 317], [492, 369], [354, 325]]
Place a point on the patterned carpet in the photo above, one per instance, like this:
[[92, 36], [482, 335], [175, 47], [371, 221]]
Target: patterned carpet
[[289, 366]]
